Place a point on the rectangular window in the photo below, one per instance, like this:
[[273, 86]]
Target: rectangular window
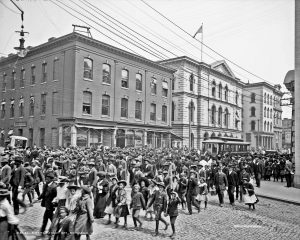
[[165, 89], [54, 103], [106, 73], [153, 112], [31, 106], [153, 85], [30, 137], [4, 83], [32, 82], [42, 137], [125, 78], [12, 109], [13, 80], [88, 68], [44, 72], [3, 110], [138, 110], [124, 107], [43, 104], [22, 78], [138, 82], [21, 108], [105, 105], [87, 103], [55, 69], [164, 113]]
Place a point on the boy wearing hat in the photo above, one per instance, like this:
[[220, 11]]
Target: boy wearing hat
[[159, 202], [111, 201], [121, 209], [172, 211], [192, 192], [137, 202]]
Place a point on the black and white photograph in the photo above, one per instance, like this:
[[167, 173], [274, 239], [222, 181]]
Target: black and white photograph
[[149, 119]]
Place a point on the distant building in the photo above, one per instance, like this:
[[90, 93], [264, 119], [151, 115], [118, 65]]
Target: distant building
[[287, 134], [262, 116], [78, 91], [207, 101]]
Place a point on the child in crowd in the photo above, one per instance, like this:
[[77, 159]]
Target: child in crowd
[[121, 209], [152, 188], [137, 202], [172, 211], [203, 192]]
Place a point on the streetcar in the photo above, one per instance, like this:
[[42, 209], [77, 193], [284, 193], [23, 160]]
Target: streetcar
[[220, 146]]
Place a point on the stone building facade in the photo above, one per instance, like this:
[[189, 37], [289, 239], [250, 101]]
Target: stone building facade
[[207, 101], [262, 116], [78, 91]]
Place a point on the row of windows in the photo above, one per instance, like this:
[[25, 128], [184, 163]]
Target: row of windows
[[268, 126], [12, 80], [105, 111], [221, 92], [267, 99], [106, 77], [217, 119]]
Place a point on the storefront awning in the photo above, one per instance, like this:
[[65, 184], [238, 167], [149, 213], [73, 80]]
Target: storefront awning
[[93, 127]]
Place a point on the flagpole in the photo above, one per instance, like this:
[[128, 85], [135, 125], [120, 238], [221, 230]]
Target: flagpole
[[202, 42]]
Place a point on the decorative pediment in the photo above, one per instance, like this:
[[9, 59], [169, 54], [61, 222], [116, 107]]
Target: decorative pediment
[[222, 66]]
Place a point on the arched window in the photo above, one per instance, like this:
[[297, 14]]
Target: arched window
[[192, 82], [226, 118], [173, 111], [236, 97], [253, 95], [265, 112], [213, 89], [106, 73], [125, 78], [220, 116], [220, 90], [268, 126], [226, 93], [268, 101], [252, 112], [265, 126], [31, 106], [253, 123], [271, 113], [271, 101], [268, 112], [192, 110], [138, 82], [88, 68], [206, 135], [265, 98], [87, 102], [271, 127], [213, 114], [274, 102]]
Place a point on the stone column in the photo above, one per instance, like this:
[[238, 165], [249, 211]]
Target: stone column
[[60, 136], [145, 138], [73, 136], [88, 142], [297, 94], [113, 138]]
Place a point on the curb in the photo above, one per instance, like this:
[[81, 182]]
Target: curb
[[279, 199]]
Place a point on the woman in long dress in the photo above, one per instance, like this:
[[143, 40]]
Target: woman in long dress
[[71, 201], [111, 201], [101, 196], [84, 214]]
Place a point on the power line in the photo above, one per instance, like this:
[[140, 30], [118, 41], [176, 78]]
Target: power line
[[237, 65], [9, 8]]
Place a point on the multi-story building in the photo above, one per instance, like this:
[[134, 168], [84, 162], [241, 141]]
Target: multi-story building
[[287, 134], [262, 115], [207, 101], [75, 90]]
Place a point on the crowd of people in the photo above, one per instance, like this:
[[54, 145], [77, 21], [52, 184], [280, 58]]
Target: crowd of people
[[81, 185]]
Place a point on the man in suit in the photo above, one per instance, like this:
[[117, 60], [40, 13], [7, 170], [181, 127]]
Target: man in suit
[[149, 173], [288, 170], [221, 184], [5, 172], [258, 170], [192, 191], [38, 176], [17, 182], [92, 177], [233, 181], [243, 174], [47, 196]]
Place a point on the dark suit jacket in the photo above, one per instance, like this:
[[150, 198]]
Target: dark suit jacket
[[192, 187], [233, 179], [93, 177], [6, 174], [38, 175], [221, 181], [18, 176], [47, 196], [244, 175], [258, 168]]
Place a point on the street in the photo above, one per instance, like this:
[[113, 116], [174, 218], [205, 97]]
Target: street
[[271, 220]]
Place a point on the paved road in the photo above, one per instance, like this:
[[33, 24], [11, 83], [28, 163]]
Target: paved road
[[271, 220]]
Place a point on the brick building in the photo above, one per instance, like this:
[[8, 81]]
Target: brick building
[[75, 90], [262, 115], [207, 101]]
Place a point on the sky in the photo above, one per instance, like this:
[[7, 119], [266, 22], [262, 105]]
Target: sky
[[256, 35]]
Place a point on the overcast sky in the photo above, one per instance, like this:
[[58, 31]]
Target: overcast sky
[[258, 35]]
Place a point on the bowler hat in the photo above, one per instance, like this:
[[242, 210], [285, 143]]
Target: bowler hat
[[50, 175], [73, 186], [18, 159], [122, 181]]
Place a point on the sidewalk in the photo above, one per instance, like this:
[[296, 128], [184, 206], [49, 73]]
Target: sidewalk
[[278, 191]]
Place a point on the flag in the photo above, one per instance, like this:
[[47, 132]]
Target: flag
[[200, 30]]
